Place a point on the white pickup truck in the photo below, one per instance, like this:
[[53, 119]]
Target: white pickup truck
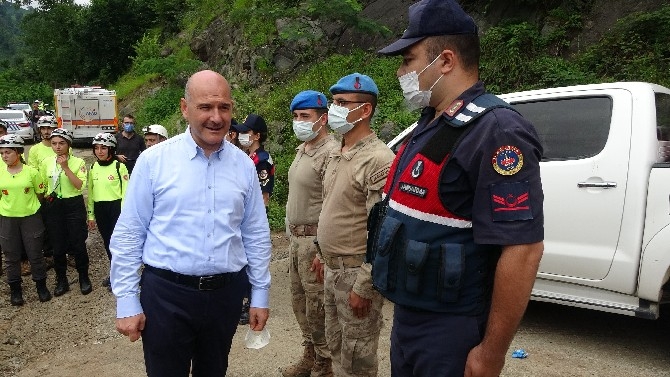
[[606, 180]]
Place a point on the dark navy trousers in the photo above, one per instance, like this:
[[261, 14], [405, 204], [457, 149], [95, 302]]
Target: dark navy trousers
[[187, 329], [432, 344]]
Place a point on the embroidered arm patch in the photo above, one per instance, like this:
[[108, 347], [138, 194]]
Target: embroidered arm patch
[[510, 201]]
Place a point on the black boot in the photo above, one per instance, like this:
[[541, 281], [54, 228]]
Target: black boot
[[16, 295], [85, 283], [62, 285], [42, 290]]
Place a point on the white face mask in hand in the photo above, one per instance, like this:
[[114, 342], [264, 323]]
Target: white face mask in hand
[[415, 98], [337, 118], [245, 140], [303, 129]]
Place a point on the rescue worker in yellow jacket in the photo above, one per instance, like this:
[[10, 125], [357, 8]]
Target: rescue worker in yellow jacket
[[107, 181]]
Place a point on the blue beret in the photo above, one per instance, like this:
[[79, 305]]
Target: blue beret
[[355, 83], [309, 99], [429, 18]]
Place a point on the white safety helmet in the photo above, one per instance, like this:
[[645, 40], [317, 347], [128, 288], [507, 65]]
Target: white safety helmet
[[62, 132], [11, 141], [105, 138], [47, 121], [156, 129]]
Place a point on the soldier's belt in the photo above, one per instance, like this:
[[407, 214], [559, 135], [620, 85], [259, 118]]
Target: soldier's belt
[[343, 261], [302, 230]]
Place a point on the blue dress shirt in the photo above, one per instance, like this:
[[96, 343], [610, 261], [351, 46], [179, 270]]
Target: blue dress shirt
[[193, 215]]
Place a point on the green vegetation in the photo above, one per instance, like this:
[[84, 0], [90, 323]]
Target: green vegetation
[[144, 54]]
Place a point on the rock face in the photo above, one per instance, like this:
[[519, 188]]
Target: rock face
[[224, 48]]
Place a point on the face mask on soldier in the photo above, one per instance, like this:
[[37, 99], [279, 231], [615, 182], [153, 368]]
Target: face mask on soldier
[[303, 129], [245, 140], [337, 118], [415, 98]]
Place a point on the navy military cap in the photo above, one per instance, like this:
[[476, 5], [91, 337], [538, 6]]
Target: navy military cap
[[429, 18], [309, 99], [355, 83], [253, 122]]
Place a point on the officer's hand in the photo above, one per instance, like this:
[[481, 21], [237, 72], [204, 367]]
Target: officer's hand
[[91, 224], [258, 317], [121, 158], [481, 363], [359, 305], [131, 326], [317, 268]]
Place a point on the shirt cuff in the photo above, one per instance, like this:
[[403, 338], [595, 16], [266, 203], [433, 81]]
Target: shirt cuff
[[260, 298], [128, 306], [363, 284]]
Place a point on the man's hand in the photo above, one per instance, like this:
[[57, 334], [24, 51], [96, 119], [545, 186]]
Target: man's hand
[[481, 363], [317, 268], [258, 317], [122, 158], [359, 305], [131, 326], [91, 224]]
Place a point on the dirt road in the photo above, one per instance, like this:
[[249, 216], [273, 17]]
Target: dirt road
[[74, 335]]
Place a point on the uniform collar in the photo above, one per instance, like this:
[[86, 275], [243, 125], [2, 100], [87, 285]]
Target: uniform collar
[[463, 100], [301, 148], [348, 155]]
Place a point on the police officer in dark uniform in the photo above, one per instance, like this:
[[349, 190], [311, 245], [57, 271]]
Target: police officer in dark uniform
[[460, 244]]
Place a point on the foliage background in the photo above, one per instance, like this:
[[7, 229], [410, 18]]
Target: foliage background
[[144, 54]]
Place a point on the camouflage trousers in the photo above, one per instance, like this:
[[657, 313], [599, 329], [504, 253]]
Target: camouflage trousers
[[352, 341], [307, 294]]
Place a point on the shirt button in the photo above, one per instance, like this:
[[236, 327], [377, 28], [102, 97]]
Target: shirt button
[[209, 187], [209, 235], [209, 164], [413, 141], [209, 211]]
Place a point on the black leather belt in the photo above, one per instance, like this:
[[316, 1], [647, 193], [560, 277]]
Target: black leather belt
[[202, 283]]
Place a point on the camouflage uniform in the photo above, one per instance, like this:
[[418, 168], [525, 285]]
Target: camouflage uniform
[[352, 185], [302, 213]]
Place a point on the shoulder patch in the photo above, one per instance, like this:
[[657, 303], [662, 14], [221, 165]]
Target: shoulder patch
[[510, 201], [380, 174], [507, 160]]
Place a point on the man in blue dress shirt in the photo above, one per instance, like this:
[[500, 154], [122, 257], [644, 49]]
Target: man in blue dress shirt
[[194, 216]]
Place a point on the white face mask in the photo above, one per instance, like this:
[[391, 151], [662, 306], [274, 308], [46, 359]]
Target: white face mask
[[303, 129], [415, 98], [245, 140], [337, 118]]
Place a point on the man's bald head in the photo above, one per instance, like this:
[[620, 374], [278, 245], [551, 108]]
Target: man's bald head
[[201, 78]]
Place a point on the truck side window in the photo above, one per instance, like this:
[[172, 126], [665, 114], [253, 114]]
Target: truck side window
[[570, 128], [663, 126]]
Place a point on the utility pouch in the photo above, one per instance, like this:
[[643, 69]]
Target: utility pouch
[[385, 262], [451, 268], [416, 255], [375, 219]]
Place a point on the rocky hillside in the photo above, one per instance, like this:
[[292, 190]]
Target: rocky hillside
[[223, 44]]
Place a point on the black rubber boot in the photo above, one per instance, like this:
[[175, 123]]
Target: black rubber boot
[[16, 295], [62, 285], [85, 283], [42, 290], [60, 265]]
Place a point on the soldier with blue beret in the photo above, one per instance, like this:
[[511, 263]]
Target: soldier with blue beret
[[305, 197], [353, 181], [459, 247]]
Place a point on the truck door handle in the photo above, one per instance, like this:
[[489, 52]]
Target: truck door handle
[[604, 185]]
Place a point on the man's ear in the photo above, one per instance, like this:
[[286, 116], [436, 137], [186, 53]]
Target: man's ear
[[448, 61]]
